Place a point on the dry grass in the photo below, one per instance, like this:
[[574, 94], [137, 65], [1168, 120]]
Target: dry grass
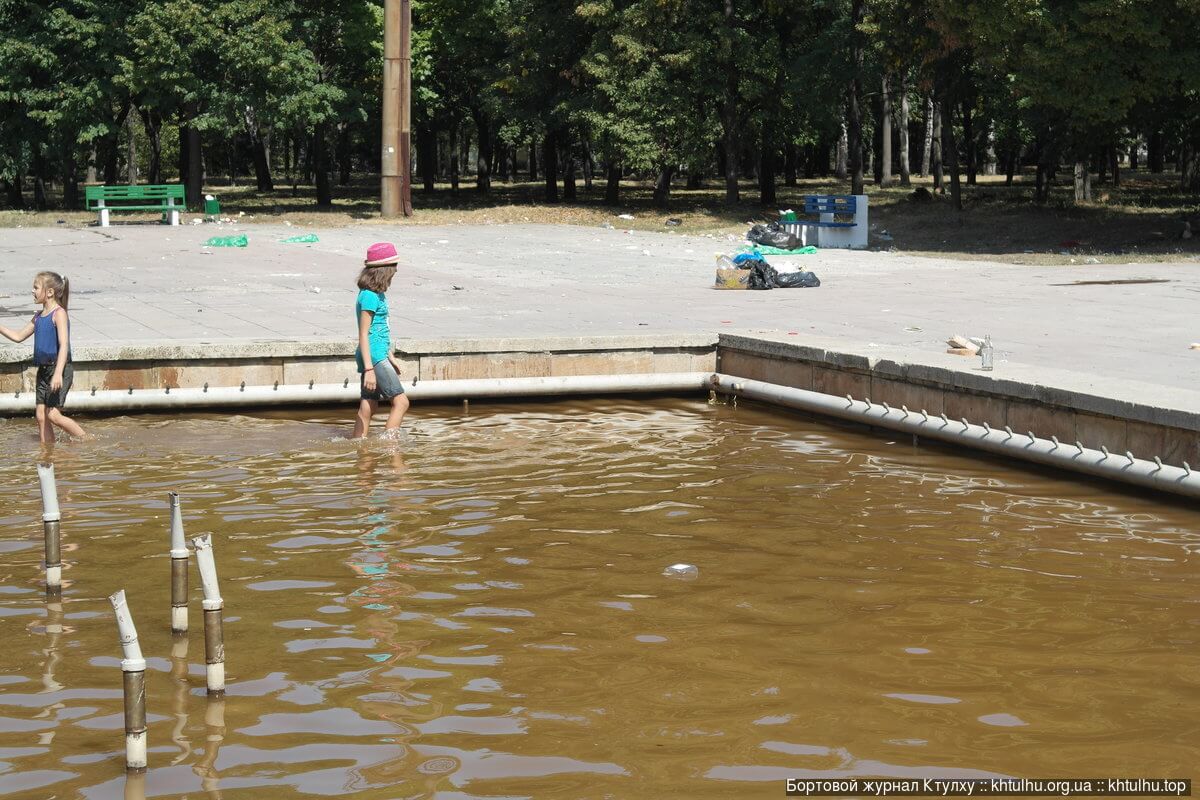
[[1139, 221]]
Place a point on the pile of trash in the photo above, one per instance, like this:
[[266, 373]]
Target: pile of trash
[[773, 235], [758, 274]]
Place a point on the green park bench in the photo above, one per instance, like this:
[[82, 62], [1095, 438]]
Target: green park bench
[[167, 198]]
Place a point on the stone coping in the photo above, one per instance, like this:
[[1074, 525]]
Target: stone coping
[[1113, 397], [232, 349]]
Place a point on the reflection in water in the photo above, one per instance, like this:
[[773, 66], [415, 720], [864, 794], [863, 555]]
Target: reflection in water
[[478, 609]]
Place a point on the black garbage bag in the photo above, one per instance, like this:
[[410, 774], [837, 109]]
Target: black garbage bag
[[764, 276], [773, 235], [802, 279]]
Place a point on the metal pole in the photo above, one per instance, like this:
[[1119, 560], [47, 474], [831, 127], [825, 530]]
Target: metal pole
[[391, 183], [406, 107], [133, 670], [214, 637], [179, 568], [50, 522]]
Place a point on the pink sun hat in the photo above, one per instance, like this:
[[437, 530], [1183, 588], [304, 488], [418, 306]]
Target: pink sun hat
[[381, 254]]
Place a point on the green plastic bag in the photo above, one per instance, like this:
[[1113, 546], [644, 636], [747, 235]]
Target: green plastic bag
[[767, 250], [307, 238], [226, 241]]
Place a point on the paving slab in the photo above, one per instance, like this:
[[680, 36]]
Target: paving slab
[[145, 284]]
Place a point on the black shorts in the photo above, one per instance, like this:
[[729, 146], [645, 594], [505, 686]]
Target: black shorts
[[50, 399]]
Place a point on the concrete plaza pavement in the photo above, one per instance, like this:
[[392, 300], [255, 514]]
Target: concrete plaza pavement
[[140, 284]]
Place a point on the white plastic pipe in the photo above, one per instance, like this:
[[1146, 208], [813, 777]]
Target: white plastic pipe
[[133, 668], [346, 392], [214, 637], [179, 568], [1122, 467], [51, 517], [50, 510]]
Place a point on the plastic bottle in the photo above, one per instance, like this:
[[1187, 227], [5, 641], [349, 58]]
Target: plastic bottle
[[724, 261], [684, 572], [987, 354]]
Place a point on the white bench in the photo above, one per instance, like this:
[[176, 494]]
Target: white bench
[[827, 230]]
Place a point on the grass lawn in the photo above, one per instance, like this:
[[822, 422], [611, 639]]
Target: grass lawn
[[1141, 220]]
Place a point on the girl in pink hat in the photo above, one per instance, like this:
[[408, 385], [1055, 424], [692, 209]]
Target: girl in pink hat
[[379, 372]]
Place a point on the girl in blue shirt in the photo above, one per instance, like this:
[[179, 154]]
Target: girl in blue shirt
[[51, 332], [378, 369]]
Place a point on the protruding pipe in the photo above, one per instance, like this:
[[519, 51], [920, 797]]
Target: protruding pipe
[[133, 670], [214, 637], [51, 517], [179, 568]]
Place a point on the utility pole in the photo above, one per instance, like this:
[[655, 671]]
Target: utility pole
[[396, 183]]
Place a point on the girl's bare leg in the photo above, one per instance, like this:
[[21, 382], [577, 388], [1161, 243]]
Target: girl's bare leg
[[362, 421], [66, 423], [45, 429], [396, 416]]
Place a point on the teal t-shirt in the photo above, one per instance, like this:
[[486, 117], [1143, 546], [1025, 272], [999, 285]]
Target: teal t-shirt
[[378, 336]]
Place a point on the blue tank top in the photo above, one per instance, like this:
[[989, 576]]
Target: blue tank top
[[45, 339]]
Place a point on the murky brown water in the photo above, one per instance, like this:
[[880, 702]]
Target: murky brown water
[[478, 610]]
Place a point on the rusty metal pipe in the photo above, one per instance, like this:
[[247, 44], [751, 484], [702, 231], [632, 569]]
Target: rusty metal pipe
[[179, 568], [214, 637], [133, 669], [51, 517]]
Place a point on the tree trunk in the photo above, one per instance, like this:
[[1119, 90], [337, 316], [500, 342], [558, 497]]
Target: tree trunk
[[1134, 145], [1115, 162], [16, 197], [989, 166], [968, 107], [612, 185], [589, 165], [231, 149], [320, 152], [695, 179], [840, 164], [927, 147], [533, 148], [812, 153], [91, 177], [111, 161], [730, 104], [454, 155], [427, 143], [39, 180], [195, 171], [905, 167], [1155, 152], [1102, 166], [1083, 182], [153, 127], [854, 118], [262, 161], [885, 123], [483, 160], [344, 156], [550, 165], [662, 186], [1014, 155], [568, 159], [766, 163], [131, 152], [951, 152], [935, 146], [70, 176], [789, 163]]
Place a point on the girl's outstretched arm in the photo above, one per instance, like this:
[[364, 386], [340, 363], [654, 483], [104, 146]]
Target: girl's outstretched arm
[[64, 349], [17, 336]]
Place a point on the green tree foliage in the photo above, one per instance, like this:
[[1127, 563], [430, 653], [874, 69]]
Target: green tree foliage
[[657, 89]]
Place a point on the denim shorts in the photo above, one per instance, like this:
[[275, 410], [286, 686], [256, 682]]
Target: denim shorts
[[387, 383]]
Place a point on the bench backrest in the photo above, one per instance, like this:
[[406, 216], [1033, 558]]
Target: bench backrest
[[137, 192], [830, 204]]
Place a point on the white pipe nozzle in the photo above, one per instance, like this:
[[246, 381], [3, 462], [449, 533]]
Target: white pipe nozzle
[[135, 751], [133, 661], [208, 572], [178, 545], [50, 512]]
